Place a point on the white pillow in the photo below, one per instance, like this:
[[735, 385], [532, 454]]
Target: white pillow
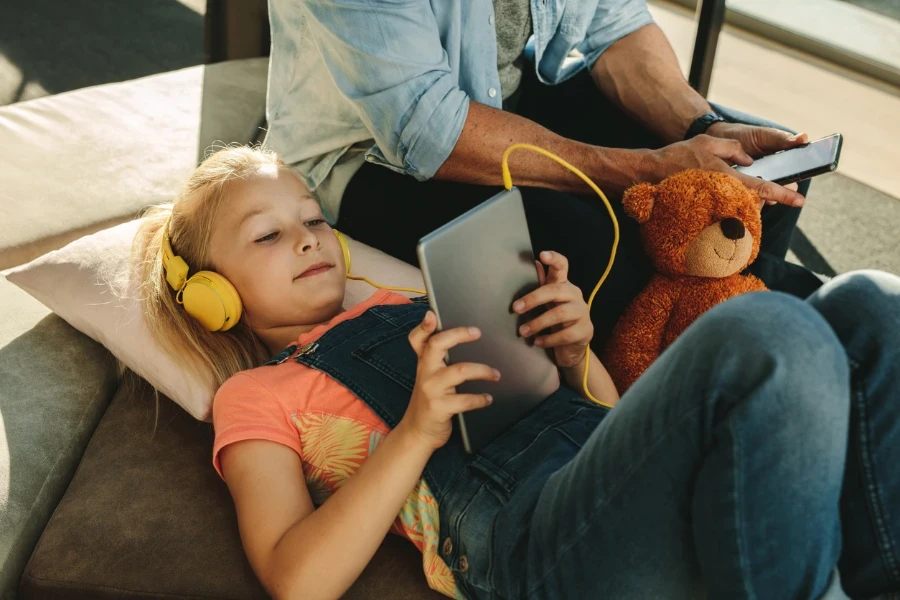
[[88, 283]]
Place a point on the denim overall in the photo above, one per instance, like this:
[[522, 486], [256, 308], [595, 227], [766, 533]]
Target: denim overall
[[371, 356]]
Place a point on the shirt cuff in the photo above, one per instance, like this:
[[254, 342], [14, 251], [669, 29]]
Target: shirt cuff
[[431, 134]]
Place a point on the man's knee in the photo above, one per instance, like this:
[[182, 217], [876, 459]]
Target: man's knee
[[766, 322], [781, 361], [764, 335], [868, 298]]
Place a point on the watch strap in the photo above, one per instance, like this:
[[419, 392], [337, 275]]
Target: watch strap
[[702, 123]]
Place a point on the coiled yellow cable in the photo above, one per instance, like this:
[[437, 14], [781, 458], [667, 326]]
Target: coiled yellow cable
[[507, 183]]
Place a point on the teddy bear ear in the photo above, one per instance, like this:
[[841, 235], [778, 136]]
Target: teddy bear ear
[[638, 201]]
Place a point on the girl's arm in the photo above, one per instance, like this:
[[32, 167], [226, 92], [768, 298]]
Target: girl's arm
[[599, 382], [298, 551], [569, 321]]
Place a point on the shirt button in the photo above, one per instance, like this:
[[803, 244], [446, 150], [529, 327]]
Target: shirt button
[[492, 92], [463, 564], [448, 547], [370, 158], [491, 20]]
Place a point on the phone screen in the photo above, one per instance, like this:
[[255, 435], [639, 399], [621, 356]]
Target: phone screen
[[788, 165]]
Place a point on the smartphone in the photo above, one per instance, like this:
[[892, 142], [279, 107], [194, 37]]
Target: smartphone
[[797, 164]]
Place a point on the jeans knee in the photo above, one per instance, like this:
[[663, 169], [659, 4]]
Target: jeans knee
[[774, 339], [868, 298]]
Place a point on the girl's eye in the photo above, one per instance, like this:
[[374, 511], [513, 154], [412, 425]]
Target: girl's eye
[[315, 222], [267, 238]]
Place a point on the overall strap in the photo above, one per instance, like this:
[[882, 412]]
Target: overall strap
[[371, 356]]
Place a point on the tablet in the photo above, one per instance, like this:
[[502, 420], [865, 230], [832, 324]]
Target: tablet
[[474, 268]]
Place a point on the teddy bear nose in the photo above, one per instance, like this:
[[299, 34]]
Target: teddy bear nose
[[732, 228]]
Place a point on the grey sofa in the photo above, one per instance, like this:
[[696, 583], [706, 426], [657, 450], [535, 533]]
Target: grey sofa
[[100, 497]]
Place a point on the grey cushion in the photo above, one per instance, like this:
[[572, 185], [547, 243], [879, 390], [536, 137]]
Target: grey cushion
[[55, 384], [146, 516], [78, 162]]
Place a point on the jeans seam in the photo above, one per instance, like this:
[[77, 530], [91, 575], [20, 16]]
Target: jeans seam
[[589, 522], [874, 496], [537, 437]]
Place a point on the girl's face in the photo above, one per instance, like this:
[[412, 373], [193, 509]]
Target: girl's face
[[272, 243]]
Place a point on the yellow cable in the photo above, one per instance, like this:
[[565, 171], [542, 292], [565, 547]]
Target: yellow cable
[[507, 183], [386, 287]]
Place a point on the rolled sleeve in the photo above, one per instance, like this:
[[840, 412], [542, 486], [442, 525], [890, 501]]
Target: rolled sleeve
[[386, 57], [613, 20]]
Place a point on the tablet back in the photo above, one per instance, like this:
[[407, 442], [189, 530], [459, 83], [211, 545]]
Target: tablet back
[[474, 268]]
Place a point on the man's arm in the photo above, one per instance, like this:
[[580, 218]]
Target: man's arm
[[488, 132], [641, 75]]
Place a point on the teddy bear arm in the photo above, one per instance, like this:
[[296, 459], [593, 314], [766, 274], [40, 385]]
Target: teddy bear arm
[[638, 336]]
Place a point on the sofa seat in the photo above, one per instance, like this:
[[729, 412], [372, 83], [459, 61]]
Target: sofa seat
[[55, 385], [146, 516]]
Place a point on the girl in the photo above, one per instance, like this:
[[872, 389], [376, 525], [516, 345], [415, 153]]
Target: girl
[[755, 459]]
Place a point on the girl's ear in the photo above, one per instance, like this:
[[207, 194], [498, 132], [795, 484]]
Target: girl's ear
[[638, 202]]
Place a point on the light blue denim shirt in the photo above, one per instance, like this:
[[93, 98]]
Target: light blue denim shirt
[[389, 81]]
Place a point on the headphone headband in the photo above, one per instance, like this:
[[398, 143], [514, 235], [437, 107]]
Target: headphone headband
[[175, 267]]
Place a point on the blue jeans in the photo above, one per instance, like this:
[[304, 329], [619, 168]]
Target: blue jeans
[[758, 457]]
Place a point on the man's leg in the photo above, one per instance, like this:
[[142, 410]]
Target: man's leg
[[720, 468], [863, 308]]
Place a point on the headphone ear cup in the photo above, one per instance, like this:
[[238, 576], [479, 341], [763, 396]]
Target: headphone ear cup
[[212, 300]]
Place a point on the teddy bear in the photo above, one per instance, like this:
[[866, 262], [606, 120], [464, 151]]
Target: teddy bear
[[701, 229]]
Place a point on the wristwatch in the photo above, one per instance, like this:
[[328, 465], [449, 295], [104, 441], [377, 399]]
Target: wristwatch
[[702, 123]]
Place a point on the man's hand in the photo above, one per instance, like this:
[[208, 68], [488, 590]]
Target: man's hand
[[567, 318], [715, 154], [759, 141]]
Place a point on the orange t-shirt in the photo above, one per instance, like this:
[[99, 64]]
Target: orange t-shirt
[[331, 429]]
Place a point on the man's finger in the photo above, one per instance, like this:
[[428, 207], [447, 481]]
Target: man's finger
[[559, 266], [769, 191], [730, 151], [420, 334], [768, 139]]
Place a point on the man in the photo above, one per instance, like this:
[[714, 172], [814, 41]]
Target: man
[[397, 114]]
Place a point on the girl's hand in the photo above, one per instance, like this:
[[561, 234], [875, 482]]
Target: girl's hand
[[568, 318], [434, 398]]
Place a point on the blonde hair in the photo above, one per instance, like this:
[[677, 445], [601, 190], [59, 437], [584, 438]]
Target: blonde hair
[[190, 220]]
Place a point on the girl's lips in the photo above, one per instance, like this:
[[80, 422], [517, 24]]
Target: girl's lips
[[315, 270]]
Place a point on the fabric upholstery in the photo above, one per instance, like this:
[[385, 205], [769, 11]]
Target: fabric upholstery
[[146, 516], [94, 157], [87, 283], [55, 384]]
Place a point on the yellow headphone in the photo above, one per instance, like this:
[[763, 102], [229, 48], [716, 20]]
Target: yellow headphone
[[211, 299]]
